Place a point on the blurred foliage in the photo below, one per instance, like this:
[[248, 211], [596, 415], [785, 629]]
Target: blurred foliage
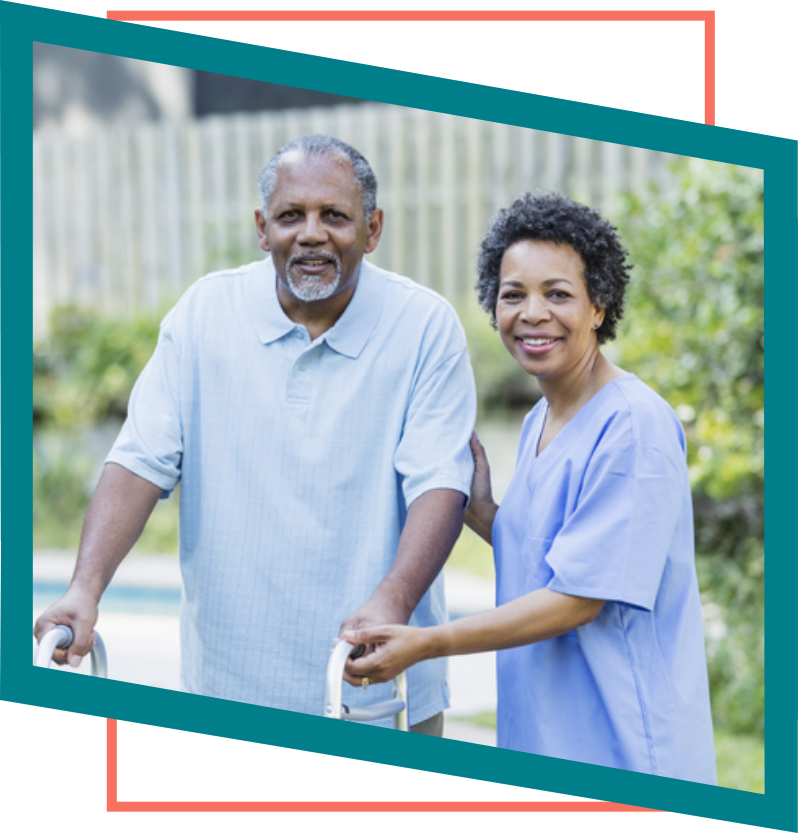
[[82, 377], [62, 473], [65, 472], [84, 372], [694, 331], [741, 762], [472, 554]]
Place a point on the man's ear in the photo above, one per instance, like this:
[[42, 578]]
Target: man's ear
[[375, 230], [260, 223]]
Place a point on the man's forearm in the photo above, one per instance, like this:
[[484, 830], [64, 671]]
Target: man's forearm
[[118, 511], [434, 522]]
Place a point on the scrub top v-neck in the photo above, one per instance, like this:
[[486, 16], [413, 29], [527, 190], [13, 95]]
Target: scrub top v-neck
[[604, 511]]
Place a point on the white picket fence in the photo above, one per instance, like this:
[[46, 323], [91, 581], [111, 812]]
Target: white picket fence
[[126, 219]]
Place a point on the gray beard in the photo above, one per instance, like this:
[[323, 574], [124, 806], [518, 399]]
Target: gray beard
[[312, 289]]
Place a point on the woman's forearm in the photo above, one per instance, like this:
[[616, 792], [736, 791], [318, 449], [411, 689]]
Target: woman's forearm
[[530, 619], [537, 616]]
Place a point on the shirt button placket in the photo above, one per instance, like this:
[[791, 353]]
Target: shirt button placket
[[300, 383]]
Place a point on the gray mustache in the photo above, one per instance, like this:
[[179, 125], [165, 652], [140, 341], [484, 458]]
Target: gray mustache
[[319, 254]]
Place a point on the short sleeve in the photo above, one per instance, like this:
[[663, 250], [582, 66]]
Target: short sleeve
[[434, 451], [614, 545], [150, 443]]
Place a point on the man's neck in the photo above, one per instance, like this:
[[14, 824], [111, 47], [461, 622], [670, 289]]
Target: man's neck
[[317, 316]]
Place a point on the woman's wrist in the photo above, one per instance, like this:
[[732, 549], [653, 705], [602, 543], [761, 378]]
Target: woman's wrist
[[435, 642], [480, 517]]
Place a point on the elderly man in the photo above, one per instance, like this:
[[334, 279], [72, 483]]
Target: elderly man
[[316, 411]]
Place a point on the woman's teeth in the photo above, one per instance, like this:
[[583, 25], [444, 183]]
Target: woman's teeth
[[538, 342]]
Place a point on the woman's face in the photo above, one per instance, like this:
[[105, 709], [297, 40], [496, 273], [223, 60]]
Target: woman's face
[[545, 317]]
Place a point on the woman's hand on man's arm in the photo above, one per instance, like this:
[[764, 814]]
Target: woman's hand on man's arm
[[481, 509]]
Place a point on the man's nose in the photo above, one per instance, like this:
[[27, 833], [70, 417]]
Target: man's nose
[[312, 230]]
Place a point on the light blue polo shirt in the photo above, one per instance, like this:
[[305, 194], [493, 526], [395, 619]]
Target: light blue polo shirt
[[604, 512], [297, 461]]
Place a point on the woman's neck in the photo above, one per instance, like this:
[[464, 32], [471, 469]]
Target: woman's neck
[[568, 394]]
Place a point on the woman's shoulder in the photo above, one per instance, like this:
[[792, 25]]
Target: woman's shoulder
[[643, 416]]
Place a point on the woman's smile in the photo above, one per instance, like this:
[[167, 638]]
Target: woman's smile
[[537, 345]]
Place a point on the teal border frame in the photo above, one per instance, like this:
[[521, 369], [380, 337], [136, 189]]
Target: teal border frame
[[28, 694]]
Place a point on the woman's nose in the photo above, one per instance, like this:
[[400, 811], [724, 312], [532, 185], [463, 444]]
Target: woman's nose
[[536, 309]]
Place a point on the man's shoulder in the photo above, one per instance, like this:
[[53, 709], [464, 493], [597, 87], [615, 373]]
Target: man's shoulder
[[207, 292], [406, 296], [222, 280]]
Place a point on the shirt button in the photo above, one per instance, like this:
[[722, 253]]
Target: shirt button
[[302, 366]]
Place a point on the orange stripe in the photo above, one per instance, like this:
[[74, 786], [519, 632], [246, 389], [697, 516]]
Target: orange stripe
[[588, 806], [317, 15], [709, 68]]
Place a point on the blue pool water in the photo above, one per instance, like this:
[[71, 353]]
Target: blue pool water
[[120, 600]]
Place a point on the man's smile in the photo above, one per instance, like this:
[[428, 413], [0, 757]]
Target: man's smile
[[313, 264]]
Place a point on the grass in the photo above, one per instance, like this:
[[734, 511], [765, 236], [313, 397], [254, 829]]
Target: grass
[[473, 555], [740, 759], [741, 762]]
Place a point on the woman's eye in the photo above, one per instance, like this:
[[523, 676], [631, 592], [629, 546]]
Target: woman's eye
[[511, 296]]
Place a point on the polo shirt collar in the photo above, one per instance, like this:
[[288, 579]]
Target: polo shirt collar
[[348, 335], [271, 323], [352, 331]]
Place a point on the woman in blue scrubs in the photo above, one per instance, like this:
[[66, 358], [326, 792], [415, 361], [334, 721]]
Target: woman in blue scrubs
[[598, 617]]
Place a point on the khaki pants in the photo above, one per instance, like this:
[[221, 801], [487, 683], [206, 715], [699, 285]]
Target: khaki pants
[[431, 727]]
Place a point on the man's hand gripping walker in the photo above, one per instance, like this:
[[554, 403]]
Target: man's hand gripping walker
[[60, 637]]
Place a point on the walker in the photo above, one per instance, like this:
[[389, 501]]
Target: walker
[[60, 637], [335, 708]]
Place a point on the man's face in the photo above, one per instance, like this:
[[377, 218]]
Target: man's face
[[315, 229]]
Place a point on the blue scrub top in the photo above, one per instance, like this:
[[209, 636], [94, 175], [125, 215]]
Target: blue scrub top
[[605, 512]]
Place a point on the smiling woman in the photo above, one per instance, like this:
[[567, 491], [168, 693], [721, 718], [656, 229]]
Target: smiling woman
[[544, 313], [599, 616]]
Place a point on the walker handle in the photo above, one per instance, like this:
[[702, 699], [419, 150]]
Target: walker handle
[[61, 637], [335, 708]]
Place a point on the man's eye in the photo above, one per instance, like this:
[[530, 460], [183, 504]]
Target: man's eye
[[336, 215], [288, 215]]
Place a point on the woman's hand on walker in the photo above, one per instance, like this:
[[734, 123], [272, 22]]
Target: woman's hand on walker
[[395, 648]]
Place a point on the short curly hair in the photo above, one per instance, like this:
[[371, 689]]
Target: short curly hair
[[556, 218]]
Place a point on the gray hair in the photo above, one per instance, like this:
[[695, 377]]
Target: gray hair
[[320, 145]]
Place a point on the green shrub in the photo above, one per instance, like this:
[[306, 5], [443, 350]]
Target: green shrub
[[62, 476], [84, 372]]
